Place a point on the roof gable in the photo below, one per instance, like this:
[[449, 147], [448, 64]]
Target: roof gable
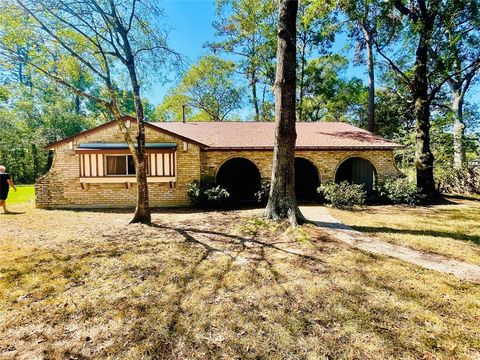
[[107, 125]]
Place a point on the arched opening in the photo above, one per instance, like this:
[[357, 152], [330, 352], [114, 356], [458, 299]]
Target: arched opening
[[307, 180], [357, 170], [241, 178]]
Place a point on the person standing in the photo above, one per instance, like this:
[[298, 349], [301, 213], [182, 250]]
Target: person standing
[[5, 184]]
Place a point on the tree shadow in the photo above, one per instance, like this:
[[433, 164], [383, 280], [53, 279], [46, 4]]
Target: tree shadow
[[462, 197], [452, 235], [228, 239], [130, 210], [241, 244], [14, 213]]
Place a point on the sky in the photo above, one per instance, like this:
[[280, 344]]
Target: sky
[[191, 27], [191, 22]]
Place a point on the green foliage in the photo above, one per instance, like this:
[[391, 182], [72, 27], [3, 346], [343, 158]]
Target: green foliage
[[343, 195], [32, 118], [330, 97], [400, 191], [209, 87], [262, 194], [207, 195], [247, 30]]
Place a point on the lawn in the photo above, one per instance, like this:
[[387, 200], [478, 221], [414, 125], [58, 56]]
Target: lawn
[[24, 193], [451, 229], [87, 285]]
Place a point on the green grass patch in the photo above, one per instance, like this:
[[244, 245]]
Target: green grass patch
[[24, 193]]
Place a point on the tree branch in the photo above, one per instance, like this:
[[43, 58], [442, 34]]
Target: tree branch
[[475, 65], [393, 65], [62, 43]]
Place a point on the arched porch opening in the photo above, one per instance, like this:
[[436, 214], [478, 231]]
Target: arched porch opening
[[307, 180], [357, 170], [241, 178]]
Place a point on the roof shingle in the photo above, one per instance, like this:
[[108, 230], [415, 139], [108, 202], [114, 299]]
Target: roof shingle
[[261, 135]]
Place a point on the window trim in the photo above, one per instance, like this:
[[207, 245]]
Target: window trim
[[105, 162]]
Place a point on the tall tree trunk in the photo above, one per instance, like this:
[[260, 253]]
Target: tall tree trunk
[[142, 211], [371, 79], [423, 155], [36, 167], [458, 124], [303, 62], [282, 203], [77, 105], [253, 84]]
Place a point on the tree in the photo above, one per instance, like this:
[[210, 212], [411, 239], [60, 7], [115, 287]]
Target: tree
[[462, 41], [104, 38], [315, 34], [362, 20], [31, 117], [208, 86], [282, 203], [247, 31], [422, 22], [328, 96]]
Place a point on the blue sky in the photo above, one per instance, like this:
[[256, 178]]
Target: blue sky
[[191, 27], [191, 22]]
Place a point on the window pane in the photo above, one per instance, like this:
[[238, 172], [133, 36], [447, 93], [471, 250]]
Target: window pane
[[131, 165], [116, 165]]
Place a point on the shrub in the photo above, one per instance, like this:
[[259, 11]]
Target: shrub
[[465, 181], [400, 191], [262, 194], [343, 195], [207, 195]]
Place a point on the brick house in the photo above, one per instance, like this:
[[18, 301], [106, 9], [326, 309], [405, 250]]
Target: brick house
[[94, 169]]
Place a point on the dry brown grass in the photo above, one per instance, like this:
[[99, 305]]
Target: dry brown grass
[[451, 229], [217, 285]]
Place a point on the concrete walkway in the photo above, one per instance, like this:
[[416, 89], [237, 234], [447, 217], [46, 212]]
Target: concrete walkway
[[321, 216]]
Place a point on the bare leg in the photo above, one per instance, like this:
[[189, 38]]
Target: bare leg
[[4, 205]]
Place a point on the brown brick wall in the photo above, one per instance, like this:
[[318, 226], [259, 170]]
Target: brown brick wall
[[326, 161], [61, 185]]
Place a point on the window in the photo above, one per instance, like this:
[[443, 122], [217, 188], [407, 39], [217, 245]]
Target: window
[[120, 165]]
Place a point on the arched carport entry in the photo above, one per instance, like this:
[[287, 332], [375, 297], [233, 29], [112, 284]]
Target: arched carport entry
[[307, 180], [357, 170], [241, 178]]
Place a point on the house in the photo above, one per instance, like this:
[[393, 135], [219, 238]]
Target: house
[[94, 168]]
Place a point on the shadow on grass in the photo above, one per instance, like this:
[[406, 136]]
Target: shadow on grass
[[14, 213], [452, 235], [155, 210], [257, 253], [462, 197], [232, 240]]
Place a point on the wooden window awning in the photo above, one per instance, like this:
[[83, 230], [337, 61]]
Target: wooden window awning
[[122, 148], [161, 162]]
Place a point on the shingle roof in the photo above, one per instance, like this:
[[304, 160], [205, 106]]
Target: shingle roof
[[261, 135]]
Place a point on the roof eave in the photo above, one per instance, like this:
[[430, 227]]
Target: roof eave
[[259, 148]]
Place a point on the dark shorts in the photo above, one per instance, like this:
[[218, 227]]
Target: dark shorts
[[3, 194]]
